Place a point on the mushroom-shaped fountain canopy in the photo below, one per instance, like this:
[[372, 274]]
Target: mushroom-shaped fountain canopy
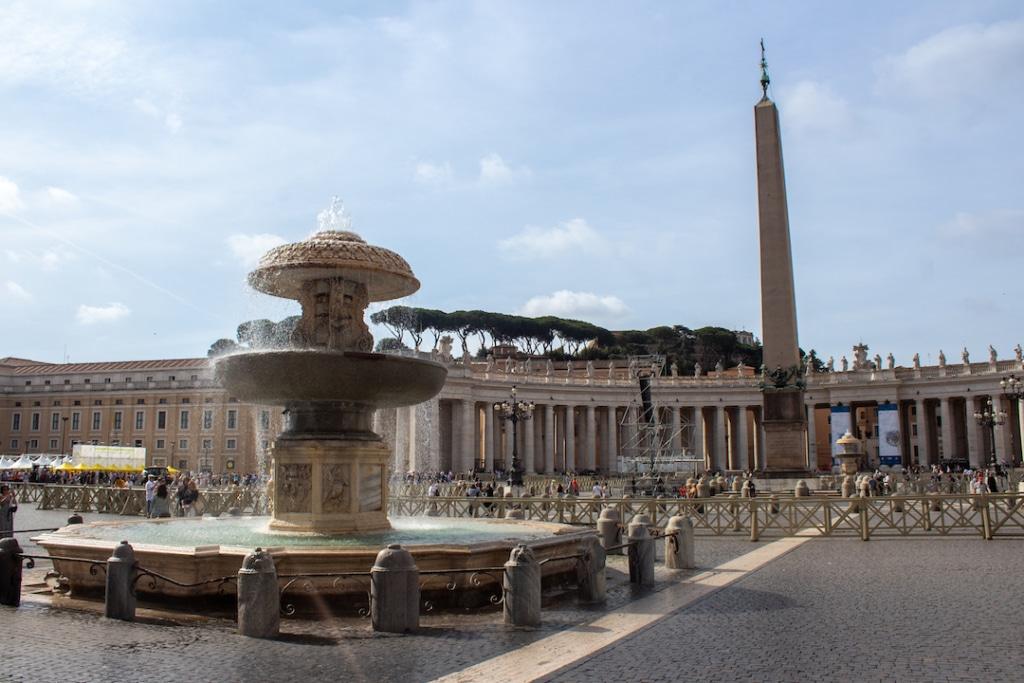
[[334, 253]]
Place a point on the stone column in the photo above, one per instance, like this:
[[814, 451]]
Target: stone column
[[762, 458], [923, 452], [628, 432], [505, 427], [975, 444], [1002, 432], [947, 427], [698, 432], [740, 449], [527, 429], [488, 437], [570, 438], [611, 441], [468, 455], [812, 457], [549, 438], [673, 424], [720, 452], [590, 454]]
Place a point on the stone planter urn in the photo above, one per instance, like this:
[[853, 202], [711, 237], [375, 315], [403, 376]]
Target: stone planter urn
[[849, 453]]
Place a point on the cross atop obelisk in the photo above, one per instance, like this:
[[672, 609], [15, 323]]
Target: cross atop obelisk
[[782, 379]]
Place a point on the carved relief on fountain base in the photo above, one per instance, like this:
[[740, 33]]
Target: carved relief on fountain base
[[330, 486]]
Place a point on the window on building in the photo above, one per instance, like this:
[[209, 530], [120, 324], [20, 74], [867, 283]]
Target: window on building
[[87, 380], [67, 381], [128, 380], [182, 444], [138, 444], [183, 420], [161, 419], [16, 422], [53, 444], [264, 419], [170, 377], [35, 422], [207, 444], [140, 419], [118, 402], [186, 400], [33, 444], [232, 400], [207, 400], [28, 383], [207, 419], [118, 417], [160, 444], [46, 382], [97, 402], [76, 421], [54, 422], [149, 378], [140, 401], [194, 377], [14, 444], [913, 430], [231, 444], [36, 403], [232, 419], [96, 420], [55, 403], [115, 442], [162, 401], [106, 380], [76, 403]]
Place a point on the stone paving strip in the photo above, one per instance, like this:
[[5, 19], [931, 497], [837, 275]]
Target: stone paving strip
[[549, 655]]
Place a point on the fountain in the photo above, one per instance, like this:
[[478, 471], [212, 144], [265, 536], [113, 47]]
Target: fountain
[[328, 488]]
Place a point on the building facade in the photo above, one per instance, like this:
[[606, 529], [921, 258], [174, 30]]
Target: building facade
[[585, 416]]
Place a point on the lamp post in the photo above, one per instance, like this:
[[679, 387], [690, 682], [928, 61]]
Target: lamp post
[[1013, 388], [989, 417], [515, 411]]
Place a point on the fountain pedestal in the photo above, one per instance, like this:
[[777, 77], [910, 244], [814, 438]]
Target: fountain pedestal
[[330, 486]]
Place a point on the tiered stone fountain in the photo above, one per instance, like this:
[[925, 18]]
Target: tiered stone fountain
[[330, 468], [329, 482]]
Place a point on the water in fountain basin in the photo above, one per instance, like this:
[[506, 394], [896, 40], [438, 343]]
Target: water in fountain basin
[[249, 532]]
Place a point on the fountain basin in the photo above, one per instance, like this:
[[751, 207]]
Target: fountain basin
[[378, 380], [194, 551]]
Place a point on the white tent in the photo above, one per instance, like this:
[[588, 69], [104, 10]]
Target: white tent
[[5, 463], [22, 463]]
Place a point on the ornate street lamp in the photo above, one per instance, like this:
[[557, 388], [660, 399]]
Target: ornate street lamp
[[989, 417], [515, 411]]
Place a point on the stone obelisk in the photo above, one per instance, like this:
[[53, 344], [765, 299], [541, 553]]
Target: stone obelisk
[[785, 425]]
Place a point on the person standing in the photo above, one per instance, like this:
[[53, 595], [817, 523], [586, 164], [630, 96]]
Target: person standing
[[8, 506], [150, 493]]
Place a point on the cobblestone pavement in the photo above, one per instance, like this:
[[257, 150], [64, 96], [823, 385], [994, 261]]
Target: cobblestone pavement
[[929, 609], [893, 610]]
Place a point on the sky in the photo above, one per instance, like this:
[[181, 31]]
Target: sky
[[592, 160]]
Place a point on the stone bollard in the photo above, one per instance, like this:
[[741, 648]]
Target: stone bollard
[[10, 572], [395, 591], [847, 487], [259, 599], [641, 552], [801, 490], [773, 504], [609, 531], [235, 512], [936, 504], [590, 572], [515, 513], [679, 548], [897, 502], [522, 588], [75, 518], [865, 489], [119, 602]]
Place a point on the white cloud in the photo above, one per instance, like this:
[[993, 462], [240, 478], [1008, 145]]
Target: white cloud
[[958, 61], [10, 199], [1000, 223], [91, 315], [813, 106], [15, 291], [494, 171], [249, 248], [433, 174], [582, 305], [173, 122], [58, 195], [536, 242]]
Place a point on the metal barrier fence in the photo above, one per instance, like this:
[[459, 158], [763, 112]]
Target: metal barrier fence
[[106, 499], [987, 515]]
